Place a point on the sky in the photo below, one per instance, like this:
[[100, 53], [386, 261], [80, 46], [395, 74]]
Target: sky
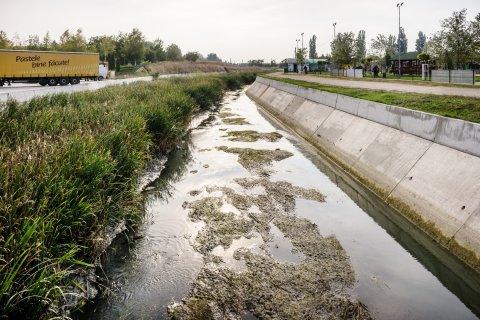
[[235, 30]]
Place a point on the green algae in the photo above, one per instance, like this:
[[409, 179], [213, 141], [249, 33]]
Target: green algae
[[253, 136]]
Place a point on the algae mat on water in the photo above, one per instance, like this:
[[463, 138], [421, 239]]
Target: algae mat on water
[[313, 288], [253, 136]]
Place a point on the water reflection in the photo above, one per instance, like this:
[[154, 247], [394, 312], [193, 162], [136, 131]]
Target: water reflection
[[458, 278], [163, 188]]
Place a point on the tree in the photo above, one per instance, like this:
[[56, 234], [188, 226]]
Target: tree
[[301, 56], [134, 46], [72, 42], [360, 46], [343, 48], [454, 45], [256, 62], [105, 45], [475, 33], [312, 53], [420, 42], [120, 57], [174, 53], [192, 56], [423, 56], [402, 41], [33, 43], [154, 51], [47, 42], [385, 47], [5, 43], [213, 57]]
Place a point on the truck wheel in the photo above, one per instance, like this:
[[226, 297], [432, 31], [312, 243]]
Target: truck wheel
[[74, 81], [1, 83], [63, 81], [100, 78], [52, 82]]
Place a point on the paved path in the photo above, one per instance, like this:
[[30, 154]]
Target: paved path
[[385, 85]]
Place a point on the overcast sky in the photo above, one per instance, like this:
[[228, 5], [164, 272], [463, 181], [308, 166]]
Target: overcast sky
[[236, 30]]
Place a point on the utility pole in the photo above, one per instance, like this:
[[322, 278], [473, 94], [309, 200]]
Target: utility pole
[[334, 24], [302, 41], [399, 5]]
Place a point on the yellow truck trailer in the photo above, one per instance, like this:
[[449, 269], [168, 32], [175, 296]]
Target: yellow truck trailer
[[50, 67]]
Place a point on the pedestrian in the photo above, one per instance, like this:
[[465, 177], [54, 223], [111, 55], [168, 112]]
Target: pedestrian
[[375, 71], [305, 69]]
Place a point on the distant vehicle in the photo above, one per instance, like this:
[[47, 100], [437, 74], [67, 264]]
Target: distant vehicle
[[50, 67]]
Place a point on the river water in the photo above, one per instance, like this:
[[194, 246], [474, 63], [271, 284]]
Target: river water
[[399, 274]]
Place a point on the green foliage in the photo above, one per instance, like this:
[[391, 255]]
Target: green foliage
[[360, 46], [72, 42], [420, 42], [154, 51], [5, 43], [69, 166], [343, 48], [174, 53], [105, 45], [383, 45], [312, 52], [301, 56], [192, 56], [458, 42], [402, 41], [213, 57], [134, 47], [423, 56]]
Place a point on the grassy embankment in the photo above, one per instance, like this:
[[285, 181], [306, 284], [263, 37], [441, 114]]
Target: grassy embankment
[[68, 169], [181, 67], [464, 108]]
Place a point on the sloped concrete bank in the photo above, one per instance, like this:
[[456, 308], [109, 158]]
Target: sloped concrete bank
[[425, 166]]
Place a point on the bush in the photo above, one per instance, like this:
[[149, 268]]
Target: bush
[[68, 169]]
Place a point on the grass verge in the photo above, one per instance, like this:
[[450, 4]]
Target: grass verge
[[69, 166], [464, 108]]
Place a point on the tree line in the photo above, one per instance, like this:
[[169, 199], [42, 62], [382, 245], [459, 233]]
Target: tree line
[[455, 45], [120, 49]]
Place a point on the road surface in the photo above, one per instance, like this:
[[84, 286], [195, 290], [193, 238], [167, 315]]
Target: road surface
[[26, 91]]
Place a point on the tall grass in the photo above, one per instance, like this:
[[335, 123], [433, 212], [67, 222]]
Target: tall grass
[[68, 169]]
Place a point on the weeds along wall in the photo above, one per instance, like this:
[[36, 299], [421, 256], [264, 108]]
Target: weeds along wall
[[425, 166], [69, 166]]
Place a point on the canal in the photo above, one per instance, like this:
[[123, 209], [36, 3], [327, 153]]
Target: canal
[[232, 232]]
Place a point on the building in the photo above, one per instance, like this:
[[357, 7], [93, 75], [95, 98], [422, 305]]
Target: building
[[409, 64], [292, 65]]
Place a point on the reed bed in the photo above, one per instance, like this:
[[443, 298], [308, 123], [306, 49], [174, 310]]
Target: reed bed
[[69, 167]]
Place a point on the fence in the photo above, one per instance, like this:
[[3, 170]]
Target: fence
[[454, 76], [350, 73]]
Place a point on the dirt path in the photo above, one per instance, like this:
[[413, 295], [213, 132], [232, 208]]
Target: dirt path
[[384, 85]]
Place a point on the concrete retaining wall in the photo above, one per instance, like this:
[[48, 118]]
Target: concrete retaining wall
[[418, 162]]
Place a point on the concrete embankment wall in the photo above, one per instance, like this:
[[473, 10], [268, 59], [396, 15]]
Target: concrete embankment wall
[[426, 166]]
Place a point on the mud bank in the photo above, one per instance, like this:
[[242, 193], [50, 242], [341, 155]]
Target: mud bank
[[423, 165]]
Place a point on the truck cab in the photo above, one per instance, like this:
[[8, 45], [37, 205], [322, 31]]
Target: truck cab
[[102, 71]]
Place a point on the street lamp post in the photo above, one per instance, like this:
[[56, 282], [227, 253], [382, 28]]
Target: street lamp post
[[399, 5], [302, 41], [334, 24]]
